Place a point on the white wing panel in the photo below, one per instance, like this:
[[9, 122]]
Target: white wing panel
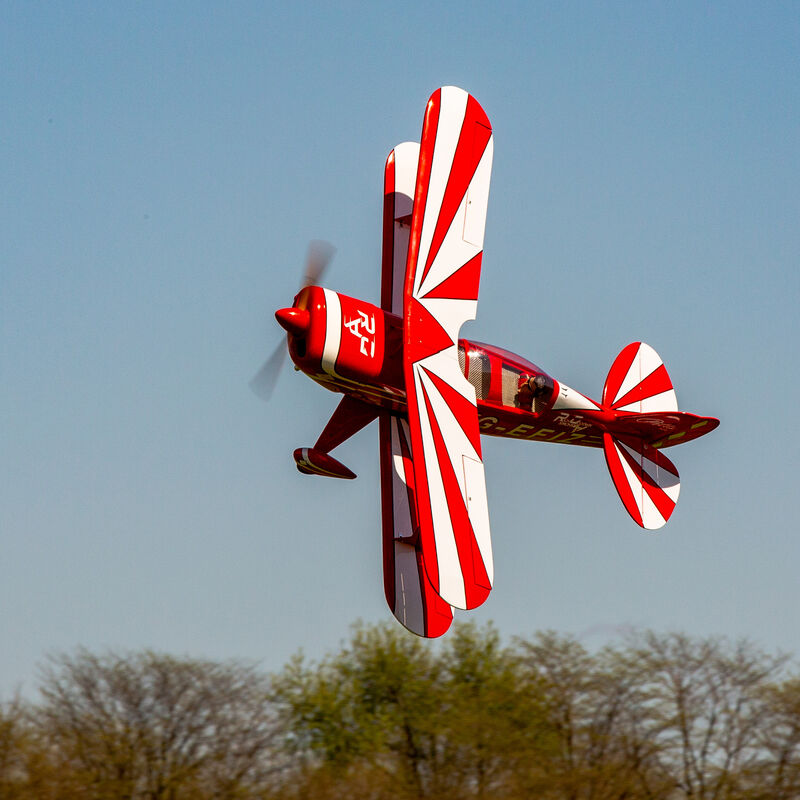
[[441, 293]]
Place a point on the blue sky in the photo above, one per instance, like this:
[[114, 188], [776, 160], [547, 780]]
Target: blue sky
[[163, 168]]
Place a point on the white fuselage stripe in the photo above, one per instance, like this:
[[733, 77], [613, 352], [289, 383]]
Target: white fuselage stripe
[[333, 331]]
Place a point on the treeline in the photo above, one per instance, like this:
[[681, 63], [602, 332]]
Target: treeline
[[656, 717]]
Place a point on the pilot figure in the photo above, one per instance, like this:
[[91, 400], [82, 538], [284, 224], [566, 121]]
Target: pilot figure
[[531, 388]]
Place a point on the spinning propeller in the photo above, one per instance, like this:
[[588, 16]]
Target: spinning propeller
[[319, 257]]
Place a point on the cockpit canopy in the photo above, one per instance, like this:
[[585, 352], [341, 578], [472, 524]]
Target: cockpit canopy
[[503, 378]]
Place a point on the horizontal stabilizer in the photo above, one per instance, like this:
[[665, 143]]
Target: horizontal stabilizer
[[662, 428], [645, 479]]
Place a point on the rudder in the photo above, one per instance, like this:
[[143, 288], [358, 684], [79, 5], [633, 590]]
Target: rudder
[[638, 381]]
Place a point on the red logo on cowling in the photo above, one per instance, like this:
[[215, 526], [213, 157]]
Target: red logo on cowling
[[363, 326]]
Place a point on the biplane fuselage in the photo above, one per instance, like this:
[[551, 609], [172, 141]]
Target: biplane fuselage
[[356, 349], [435, 394]]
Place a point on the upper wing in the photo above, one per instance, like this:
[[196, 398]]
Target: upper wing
[[441, 293]]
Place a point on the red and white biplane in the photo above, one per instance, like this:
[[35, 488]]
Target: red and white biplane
[[434, 394]]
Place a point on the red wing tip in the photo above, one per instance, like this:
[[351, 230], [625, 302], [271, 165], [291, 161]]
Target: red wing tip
[[476, 597]]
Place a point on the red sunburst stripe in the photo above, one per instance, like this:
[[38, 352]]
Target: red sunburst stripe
[[437, 613], [465, 413], [429, 127], [654, 455], [619, 369], [427, 541], [620, 479], [473, 571], [656, 382], [415, 314], [463, 284], [424, 335], [638, 471], [473, 138], [662, 501]]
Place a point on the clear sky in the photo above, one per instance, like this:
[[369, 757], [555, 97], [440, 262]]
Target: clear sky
[[162, 168]]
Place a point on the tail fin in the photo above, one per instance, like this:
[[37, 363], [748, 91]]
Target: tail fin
[[645, 479], [639, 391], [638, 381]]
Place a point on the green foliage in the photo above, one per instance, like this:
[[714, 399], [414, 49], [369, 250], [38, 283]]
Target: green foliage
[[147, 725], [657, 717]]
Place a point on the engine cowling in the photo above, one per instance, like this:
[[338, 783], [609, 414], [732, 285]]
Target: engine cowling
[[342, 336]]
